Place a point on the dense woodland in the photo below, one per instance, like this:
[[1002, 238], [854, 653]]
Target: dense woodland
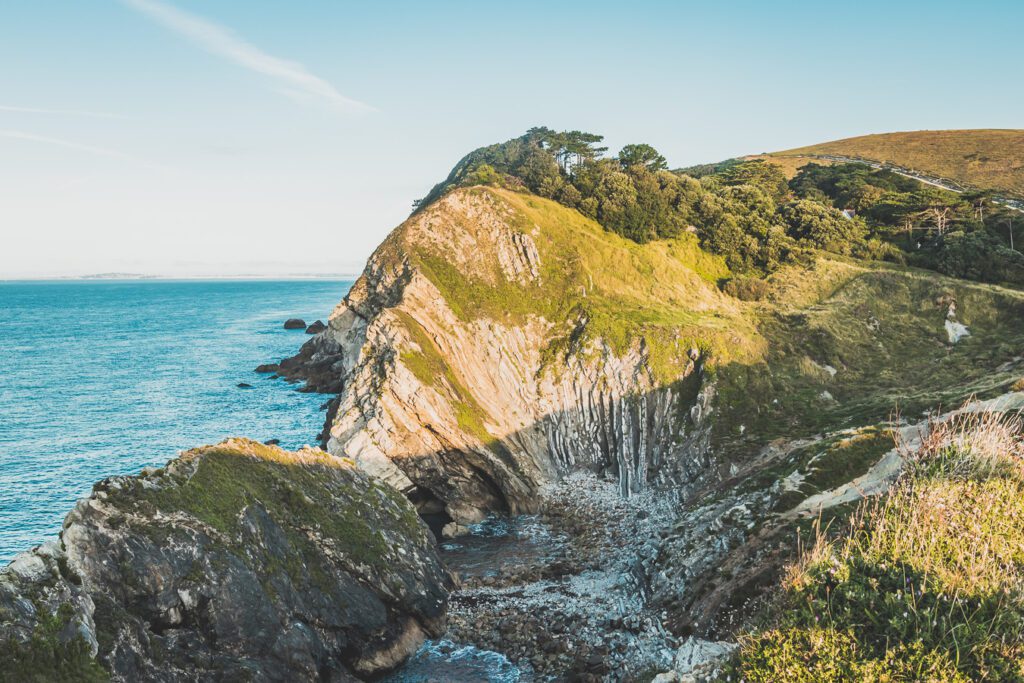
[[747, 211]]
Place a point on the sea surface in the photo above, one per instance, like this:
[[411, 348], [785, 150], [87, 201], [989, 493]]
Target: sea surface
[[100, 378]]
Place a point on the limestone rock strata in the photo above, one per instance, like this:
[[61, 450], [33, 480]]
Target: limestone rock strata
[[474, 413], [235, 562]]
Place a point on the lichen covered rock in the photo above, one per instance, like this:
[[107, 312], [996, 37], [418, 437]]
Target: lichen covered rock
[[239, 561]]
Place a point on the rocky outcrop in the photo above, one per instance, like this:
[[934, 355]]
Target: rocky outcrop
[[469, 413], [294, 324], [316, 327], [318, 364], [235, 562]]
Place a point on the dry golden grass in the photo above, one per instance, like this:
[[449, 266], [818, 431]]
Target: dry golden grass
[[985, 159], [789, 164], [928, 585]]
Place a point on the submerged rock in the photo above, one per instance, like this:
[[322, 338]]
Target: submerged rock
[[239, 561], [294, 324]]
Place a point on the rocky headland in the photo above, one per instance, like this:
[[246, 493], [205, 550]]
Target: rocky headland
[[238, 561], [621, 444], [489, 362]]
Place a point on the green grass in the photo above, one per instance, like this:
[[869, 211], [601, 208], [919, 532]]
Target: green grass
[[984, 159], [881, 328], [828, 464], [927, 584], [307, 490], [430, 368], [45, 659], [593, 284]]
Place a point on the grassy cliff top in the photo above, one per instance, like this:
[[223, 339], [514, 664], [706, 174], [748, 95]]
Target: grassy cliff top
[[662, 291], [926, 584], [837, 342], [304, 489], [984, 159]]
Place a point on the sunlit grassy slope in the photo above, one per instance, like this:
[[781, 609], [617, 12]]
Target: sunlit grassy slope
[[927, 584], [838, 343], [984, 159]]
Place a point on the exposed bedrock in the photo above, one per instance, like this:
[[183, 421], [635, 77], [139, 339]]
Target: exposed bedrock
[[239, 561], [469, 414]]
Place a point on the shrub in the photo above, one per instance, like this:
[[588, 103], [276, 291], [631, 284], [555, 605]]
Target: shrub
[[823, 227], [928, 583], [746, 288], [978, 256]]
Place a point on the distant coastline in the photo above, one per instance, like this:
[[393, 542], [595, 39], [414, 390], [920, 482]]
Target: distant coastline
[[143, 277]]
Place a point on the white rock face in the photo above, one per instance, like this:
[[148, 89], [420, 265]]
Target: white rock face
[[29, 567], [498, 422], [697, 661], [956, 331]]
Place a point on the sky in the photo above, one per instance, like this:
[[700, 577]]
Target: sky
[[203, 138]]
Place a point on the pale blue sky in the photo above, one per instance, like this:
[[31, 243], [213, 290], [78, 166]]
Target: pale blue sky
[[188, 137]]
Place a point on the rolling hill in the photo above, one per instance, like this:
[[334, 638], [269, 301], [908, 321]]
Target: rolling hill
[[984, 159]]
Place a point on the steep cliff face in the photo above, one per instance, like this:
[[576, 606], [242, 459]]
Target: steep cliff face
[[484, 352], [498, 341], [235, 562]]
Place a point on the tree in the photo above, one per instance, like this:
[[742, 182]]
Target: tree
[[823, 227], [642, 155], [571, 148], [759, 173], [979, 200], [978, 256]]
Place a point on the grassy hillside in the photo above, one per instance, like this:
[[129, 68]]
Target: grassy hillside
[[901, 596], [834, 343], [789, 164], [664, 292], [984, 159]]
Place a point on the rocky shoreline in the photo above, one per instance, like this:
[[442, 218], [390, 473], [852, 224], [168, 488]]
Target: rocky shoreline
[[239, 561], [583, 606]]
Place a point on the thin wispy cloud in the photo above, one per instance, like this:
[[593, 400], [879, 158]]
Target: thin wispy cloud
[[78, 147], [61, 112], [91, 149], [223, 42]]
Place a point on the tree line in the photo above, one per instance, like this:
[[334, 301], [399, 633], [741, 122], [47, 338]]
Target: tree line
[[747, 211]]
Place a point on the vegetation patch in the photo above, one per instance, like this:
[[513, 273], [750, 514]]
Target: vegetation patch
[[429, 367], [903, 595], [874, 344], [986, 159], [45, 658], [298, 490], [595, 285]]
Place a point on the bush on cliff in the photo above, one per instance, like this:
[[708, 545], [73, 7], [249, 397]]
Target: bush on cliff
[[928, 584], [736, 212], [46, 658]]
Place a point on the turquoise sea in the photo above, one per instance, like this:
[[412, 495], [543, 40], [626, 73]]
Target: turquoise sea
[[99, 378]]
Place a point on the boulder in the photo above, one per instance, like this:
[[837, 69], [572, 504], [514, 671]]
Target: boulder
[[701, 660], [294, 324], [239, 561], [316, 328], [453, 530], [244, 385]]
